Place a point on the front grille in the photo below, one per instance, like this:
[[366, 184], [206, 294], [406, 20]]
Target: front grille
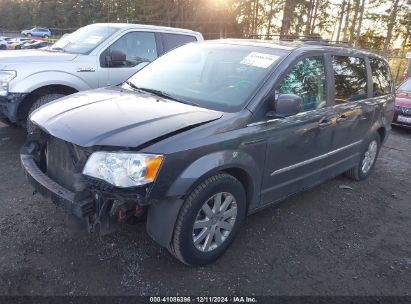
[[404, 110], [64, 163]]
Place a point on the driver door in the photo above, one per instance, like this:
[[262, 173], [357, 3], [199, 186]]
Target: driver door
[[139, 48], [297, 145]]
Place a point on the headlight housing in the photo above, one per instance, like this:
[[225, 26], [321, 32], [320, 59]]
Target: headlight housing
[[5, 78], [123, 169]]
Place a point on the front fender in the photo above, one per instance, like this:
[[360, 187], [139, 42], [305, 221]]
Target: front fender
[[42, 79], [218, 161]]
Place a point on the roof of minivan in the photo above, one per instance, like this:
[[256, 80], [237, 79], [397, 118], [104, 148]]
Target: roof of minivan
[[292, 45], [146, 27]]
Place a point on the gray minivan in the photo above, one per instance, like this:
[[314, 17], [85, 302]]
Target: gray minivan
[[209, 133]]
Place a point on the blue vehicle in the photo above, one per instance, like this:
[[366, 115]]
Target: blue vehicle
[[37, 32]]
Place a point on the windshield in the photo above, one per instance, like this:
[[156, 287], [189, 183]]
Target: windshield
[[84, 40], [405, 86], [215, 76]]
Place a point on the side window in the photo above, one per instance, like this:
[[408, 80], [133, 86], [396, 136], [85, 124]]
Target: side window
[[381, 77], [138, 47], [350, 79], [307, 80], [171, 41]]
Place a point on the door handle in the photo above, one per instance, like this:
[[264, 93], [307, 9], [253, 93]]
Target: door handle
[[341, 118]]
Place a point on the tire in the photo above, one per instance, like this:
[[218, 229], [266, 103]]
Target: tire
[[28, 35], [46, 37], [6, 121], [208, 192], [3, 47], [37, 104], [357, 172]]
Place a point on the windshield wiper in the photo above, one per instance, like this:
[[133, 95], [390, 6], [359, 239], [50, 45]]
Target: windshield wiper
[[161, 94]]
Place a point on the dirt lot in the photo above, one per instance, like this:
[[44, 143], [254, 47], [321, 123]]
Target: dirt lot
[[327, 241]]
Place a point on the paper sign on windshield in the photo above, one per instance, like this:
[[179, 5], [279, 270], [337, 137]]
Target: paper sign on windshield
[[259, 60]]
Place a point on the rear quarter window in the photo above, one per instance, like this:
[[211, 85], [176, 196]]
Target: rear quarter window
[[172, 41], [381, 77], [350, 76]]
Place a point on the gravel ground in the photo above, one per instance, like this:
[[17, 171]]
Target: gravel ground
[[326, 241]]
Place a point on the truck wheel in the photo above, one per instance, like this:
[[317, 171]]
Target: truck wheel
[[6, 121], [40, 102], [369, 155], [209, 220]]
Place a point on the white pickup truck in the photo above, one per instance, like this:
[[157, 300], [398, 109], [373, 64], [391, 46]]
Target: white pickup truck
[[94, 56]]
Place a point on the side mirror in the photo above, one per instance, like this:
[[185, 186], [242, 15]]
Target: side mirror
[[287, 105], [116, 58]]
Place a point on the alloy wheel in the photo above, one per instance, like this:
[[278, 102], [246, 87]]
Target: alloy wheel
[[369, 157], [214, 221]]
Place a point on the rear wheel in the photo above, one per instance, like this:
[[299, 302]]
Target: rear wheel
[[209, 220], [367, 161], [40, 102], [3, 47]]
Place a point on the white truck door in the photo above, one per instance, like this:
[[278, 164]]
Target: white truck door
[[126, 56]]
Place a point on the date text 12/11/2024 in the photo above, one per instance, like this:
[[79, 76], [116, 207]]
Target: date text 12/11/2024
[[184, 299]]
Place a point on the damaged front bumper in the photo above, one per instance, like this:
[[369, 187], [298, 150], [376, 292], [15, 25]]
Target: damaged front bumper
[[98, 203], [82, 207]]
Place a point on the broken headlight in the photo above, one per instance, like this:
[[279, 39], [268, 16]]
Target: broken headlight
[[123, 169]]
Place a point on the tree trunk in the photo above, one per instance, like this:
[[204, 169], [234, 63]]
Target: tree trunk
[[270, 18], [358, 35], [390, 27], [356, 8], [347, 20], [316, 5], [341, 20], [288, 11], [309, 18], [254, 22]]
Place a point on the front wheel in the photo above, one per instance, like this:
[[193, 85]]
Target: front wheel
[[369, 155], [209, 220], [40, 102], [6, 121]]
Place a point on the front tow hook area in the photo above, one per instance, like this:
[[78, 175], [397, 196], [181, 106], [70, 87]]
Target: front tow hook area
[[109, 213]]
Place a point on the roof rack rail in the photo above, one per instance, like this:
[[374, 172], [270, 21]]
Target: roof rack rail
[[288, 37], [313, 39]]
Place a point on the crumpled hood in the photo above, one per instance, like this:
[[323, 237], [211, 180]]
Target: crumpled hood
[[32, 56], [403, 99], [113, 117]]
